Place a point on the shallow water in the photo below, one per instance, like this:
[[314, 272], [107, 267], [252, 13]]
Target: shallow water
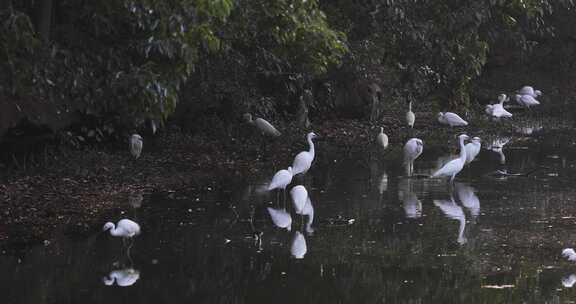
[[377, 236]]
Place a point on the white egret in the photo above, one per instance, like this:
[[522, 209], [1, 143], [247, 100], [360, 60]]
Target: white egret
[[382, 139], [497, 110], [410, 117], [135, 144], [570, 254], [281, 180], [568, 281], [304, 159], [472, 149], [123, 278], [455, 212], [412, 149], [453, 167], [262, 125], [526, 101], [280, 218], [528, 90], [125, 228], [299, 196], [298, 246], [451, 119], [467, 196]]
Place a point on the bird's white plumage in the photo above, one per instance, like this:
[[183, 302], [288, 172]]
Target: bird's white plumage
[[303, 160], [526, 101], [451, 119], [497, 110], [262, 125], [298, 246], [528, 90], [568, 281], [135, 144], [467, 195], [382, 139], [453, 167], [569, 253], [280, 218], [281, 179], [308, 210], [472, 149], [299, 196], [123, 278], [410, 117], [453, 211], [412, 149], [125, 228]]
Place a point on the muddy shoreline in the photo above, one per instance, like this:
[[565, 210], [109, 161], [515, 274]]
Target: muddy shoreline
[[76, 189]]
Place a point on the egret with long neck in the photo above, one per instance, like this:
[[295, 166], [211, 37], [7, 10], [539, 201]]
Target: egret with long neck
[[453, 167], [304, 159]]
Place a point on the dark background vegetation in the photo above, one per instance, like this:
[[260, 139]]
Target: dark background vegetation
[[82, 72]]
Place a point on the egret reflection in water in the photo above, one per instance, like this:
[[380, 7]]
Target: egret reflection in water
[[410, 202], [467, 196], [298, 247], [453, 211], [122, 277], [568, 281]]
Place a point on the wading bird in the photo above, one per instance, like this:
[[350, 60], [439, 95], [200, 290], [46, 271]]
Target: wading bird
[[125, 228], [412, 149], [299, 196], [382, 139], [473, 149], [570, 254], [526, 101], [262, 125], [528, 90], [453, 167], [410, 117], [451, 119], [497, 110], [280, 218], [281, 180], [135, 145], [123, 278], [304, 159]]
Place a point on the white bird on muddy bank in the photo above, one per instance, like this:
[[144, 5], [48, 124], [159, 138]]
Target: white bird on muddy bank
[[135, 144], [526, 101], [262, 125], [303, 160], [412, 149], [473, 149], [453, 167], [528, 90], [382, 139], [497, 110], [451, 119], [125, 228], [410, 117]]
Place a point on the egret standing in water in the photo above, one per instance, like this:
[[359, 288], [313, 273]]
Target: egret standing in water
[[526, 101], [304, 159], [262, 125], [410, 117], [412, 149], [135, 144], [382, 139], [299, 196], [528, 90], [125, 228], [473, 149], [497, 110], [451, 119], [281, 180], [453, 167]]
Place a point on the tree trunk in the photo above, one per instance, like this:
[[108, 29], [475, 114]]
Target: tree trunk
[[45, 20]]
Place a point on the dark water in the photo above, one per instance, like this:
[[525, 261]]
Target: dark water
[[376, 237]]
